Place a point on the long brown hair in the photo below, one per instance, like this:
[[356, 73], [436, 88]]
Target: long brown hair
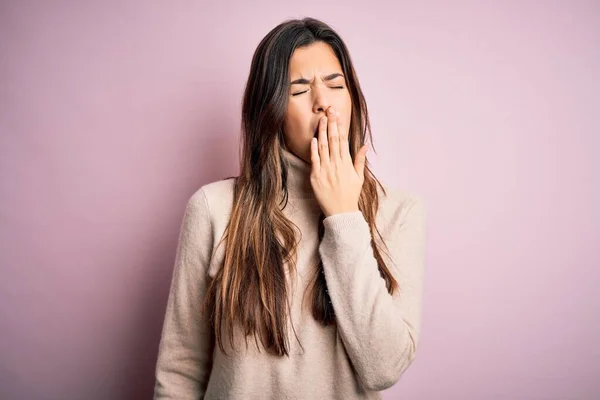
[[250, 287]]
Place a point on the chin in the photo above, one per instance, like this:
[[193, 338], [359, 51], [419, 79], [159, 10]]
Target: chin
[[306, 155]]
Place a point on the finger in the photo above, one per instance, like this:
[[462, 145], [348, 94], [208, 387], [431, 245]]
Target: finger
[[323, 146], [333, 137], [314, 155], [344, 142]]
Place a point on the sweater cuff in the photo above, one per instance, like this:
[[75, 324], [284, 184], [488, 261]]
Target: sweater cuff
[[344, 223]]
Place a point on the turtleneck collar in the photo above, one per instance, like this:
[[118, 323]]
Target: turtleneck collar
[[298, 180]]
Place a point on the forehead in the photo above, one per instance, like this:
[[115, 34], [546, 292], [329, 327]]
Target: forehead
[[317, 56]]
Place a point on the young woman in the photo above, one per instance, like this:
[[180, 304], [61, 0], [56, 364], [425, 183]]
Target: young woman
[[302, 277]]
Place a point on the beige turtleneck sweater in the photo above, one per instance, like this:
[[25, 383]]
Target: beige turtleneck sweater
[[376, 334]]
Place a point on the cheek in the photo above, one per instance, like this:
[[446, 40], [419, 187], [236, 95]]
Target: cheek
[[293, 120], [295, 125]]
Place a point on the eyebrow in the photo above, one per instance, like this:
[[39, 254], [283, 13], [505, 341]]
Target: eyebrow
[[304, 81]]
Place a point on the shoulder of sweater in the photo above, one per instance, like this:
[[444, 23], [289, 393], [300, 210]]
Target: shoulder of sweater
[[397, 202], [217, 196], [218, 191]]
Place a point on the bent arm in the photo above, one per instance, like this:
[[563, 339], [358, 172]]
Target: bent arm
[[380, 332]]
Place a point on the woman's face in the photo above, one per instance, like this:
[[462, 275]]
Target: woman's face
[[317, 83]]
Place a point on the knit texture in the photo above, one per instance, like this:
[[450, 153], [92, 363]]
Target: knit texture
[[375, 336]]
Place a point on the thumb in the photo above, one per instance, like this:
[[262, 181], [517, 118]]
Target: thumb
[[360, 160]]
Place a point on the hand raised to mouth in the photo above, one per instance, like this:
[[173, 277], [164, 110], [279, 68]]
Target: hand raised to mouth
[[336, 180]]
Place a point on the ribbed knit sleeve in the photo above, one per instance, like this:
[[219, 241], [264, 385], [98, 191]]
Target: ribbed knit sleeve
[[380, 332], [186, 345]]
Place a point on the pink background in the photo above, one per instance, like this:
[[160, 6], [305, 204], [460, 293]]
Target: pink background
[[112, 113]]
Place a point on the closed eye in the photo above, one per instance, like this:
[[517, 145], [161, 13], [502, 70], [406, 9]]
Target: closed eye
[[333, 87]]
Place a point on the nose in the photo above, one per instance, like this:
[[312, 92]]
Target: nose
[[321, 102]]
